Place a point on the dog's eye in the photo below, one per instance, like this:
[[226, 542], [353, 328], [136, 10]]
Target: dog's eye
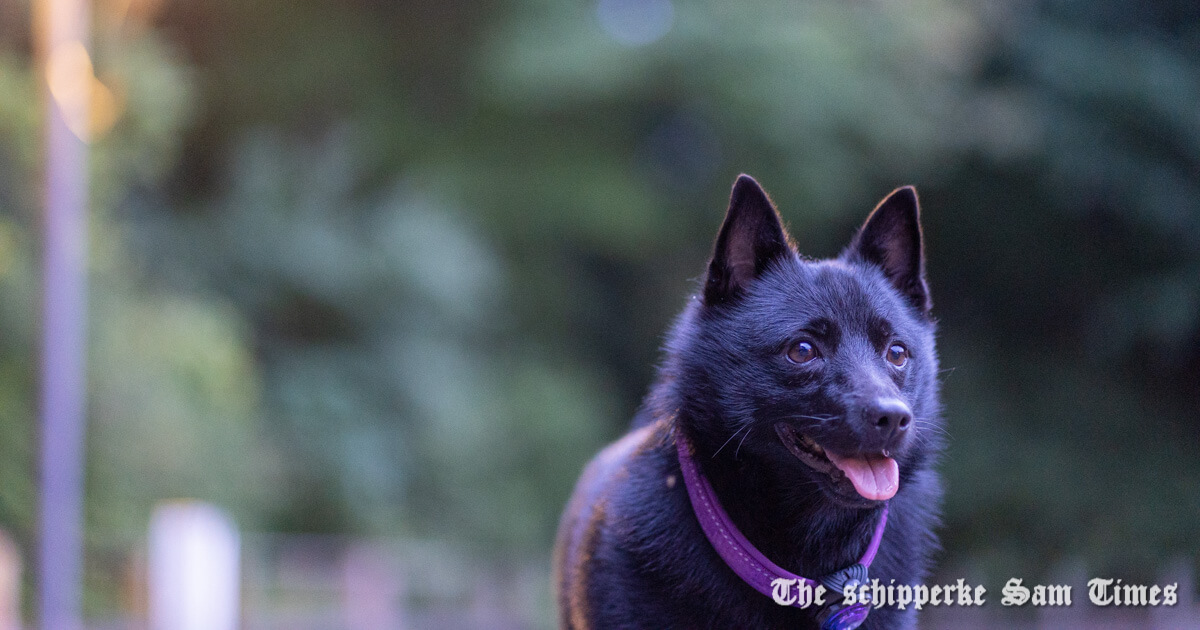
[[801, 352], [897, 355]]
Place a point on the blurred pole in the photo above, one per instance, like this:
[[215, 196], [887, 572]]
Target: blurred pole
[[61, 29]]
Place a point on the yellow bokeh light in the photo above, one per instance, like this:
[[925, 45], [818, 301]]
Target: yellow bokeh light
[[89, 108]]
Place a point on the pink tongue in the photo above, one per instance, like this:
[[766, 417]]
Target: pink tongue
[[874, 476]]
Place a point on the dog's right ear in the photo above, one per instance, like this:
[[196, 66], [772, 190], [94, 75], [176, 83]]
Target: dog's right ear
[[750, 239]]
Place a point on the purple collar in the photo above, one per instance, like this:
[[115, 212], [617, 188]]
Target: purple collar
[[737, 552]]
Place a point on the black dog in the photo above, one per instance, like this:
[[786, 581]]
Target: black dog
[[807, 393]]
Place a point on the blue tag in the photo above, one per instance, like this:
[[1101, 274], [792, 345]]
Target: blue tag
[[847, 618]]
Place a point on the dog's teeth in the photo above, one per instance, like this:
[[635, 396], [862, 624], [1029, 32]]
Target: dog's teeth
[[886, 453]]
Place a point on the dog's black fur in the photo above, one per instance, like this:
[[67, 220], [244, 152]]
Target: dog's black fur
[[630, 551]]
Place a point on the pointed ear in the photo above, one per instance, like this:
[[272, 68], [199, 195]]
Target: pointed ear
[[750, 239], [891, 239]]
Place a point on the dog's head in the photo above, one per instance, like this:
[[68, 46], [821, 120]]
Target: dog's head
[[823, 370]]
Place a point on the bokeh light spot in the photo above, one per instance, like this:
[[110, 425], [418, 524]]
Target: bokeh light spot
[[635, 22]]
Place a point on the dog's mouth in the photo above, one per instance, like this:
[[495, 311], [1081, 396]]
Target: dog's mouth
[[874, 476]]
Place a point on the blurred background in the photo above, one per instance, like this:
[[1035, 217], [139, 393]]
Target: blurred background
[[377, 278]]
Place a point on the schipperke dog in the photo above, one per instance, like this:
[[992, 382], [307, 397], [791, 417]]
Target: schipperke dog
[[805, 392]]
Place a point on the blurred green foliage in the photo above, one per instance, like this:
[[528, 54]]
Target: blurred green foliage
[[175, 391], [386, 268]]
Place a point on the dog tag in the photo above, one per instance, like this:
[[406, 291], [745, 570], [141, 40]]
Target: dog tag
[[847, 618]]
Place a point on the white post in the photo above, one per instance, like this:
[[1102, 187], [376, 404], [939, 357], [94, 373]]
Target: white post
[[193, 568], [10, 584]]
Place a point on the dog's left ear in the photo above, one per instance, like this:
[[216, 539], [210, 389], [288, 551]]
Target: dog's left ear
[[891, 239]]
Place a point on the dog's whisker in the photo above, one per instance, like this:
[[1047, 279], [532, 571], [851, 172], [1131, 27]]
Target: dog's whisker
[[818, 418], [927, 439], [936, 431], [931, 426], [730, 439], [922, 439], [739, 446], [930, 440]]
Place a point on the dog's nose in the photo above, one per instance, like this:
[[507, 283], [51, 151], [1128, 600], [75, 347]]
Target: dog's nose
[[890, 416]]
